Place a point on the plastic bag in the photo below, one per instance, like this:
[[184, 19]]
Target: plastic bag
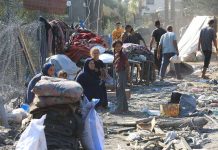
[[175, 59], [187, 105], [33, 138], [17, 115], [109, 82], [93, 134]]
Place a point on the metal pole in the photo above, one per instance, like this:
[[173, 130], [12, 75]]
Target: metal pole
[[98, 18], [166, 11]]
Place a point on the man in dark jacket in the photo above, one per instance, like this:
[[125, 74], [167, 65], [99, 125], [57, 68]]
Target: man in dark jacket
[[155, 36], [130, 36], [207, 36]]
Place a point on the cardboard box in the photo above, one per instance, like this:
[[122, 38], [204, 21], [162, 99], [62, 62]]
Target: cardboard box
[[169, 110]]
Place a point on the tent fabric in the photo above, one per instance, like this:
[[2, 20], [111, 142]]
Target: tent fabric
[[107, 58], [189, 42], [62, 62]]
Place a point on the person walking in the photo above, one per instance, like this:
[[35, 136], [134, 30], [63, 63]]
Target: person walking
[[121, 66], [155, 36], [117, 32], [130, 36], [207, 37], [168, 44]]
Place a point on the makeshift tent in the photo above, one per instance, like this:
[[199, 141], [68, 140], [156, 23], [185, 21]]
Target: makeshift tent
[[189, 42], [62, 62]]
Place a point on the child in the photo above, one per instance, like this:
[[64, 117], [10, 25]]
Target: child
[[62, 74], [121, 66], [99, 65]]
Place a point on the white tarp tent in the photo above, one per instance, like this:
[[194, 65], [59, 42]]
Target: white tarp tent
[[62, 62], [189, 42]]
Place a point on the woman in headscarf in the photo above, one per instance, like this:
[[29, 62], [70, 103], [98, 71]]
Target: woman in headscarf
[[90, 81], [100, 69], [47, 70]]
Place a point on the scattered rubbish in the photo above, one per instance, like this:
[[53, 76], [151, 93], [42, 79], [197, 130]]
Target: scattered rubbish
[[148, 112], [3, 115], [169, 110], [170, 136], [196, 122], [25, 107], [215, 111], [147, 126], [213, 81], [175, 97], [17, 115], [187, 105], [112, 107], [133, 136], [117, 130], [195, 90]]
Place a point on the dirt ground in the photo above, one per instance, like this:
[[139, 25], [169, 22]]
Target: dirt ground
[[152, 96]]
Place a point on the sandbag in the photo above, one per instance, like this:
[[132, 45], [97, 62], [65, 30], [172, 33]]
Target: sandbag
[[49, 86], [45, 101], [63, 125]]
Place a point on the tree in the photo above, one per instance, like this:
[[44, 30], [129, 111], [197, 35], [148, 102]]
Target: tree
[[200, 7], [133, 6]]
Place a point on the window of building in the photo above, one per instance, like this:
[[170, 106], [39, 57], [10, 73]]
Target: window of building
[[150, 2]]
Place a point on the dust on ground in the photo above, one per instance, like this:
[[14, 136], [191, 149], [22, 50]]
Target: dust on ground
[[152, 96]]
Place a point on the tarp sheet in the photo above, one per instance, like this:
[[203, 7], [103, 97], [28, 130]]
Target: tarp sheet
[[189, 42]]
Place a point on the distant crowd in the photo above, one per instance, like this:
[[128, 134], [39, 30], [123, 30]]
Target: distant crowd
[[92, 77]]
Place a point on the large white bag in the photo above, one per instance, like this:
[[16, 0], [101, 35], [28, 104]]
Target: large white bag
[[93, 134], [33, 138], [175, 59]]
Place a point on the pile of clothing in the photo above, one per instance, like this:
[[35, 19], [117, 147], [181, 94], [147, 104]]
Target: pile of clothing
[[52, 35], [142, 54], [138, 52], [60, 100], [80, 44]]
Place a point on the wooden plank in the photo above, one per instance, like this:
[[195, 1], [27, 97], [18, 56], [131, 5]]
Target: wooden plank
[[185, 143], [31, 64], [158, 131], [145, 120], [168, 146], [198, 122], [120, 130]]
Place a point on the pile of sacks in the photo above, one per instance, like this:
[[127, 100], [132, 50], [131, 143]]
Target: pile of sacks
[[60, 100], [80, 44]]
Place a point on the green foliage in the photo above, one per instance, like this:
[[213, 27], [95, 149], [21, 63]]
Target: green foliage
[[201, 7], [133, 6]]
